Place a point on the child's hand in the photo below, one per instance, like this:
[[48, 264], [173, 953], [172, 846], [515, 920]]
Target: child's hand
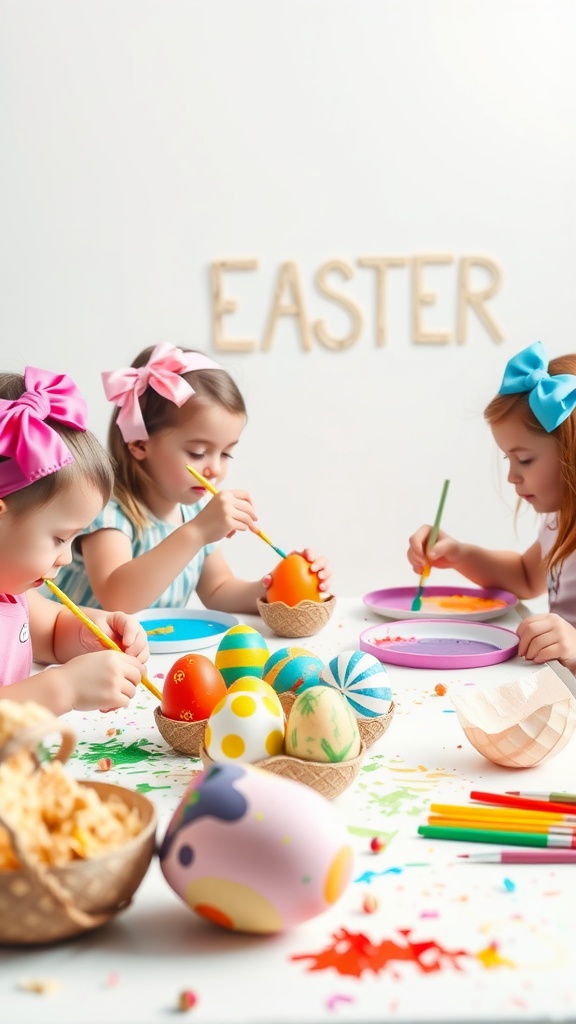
[[547, 637], [100, 680], [443, 554], [319, 565], [129, 635], [225, 513]]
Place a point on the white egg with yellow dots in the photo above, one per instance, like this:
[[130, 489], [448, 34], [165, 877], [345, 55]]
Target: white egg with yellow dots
[[246, 725]]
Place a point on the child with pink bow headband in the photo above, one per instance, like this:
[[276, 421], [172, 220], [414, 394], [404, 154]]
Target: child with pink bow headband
[[54, 478], [157, 541], [533, 421]]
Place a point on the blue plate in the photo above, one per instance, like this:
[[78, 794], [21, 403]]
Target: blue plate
[[192, 629]]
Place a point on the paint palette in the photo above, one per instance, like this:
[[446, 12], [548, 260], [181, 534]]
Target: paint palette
[[435, 643], [181, 630], [470, 604]]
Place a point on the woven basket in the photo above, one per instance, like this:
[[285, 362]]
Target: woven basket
[[371, 729], [329, 779], [41, 904], [185, 737], [303, 619]]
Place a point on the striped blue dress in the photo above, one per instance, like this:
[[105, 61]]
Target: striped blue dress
[[72, 578]]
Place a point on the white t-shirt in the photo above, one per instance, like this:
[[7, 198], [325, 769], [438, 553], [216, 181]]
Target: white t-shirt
[[561, 582]]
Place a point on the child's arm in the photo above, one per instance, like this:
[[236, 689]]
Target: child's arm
[[219, 589], [522, 574], [103, 679], [119, 580], [546, 638]]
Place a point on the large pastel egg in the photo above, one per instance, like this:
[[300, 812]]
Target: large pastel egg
[[322, 727], [362, 680], [255, 852], [245, 726], [242, 651], [291, 667]]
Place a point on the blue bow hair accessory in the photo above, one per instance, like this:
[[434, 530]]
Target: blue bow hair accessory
[[551, 398]]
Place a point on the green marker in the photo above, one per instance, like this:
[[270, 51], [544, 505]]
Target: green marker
[[480, 835]]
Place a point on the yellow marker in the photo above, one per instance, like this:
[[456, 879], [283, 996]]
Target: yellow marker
[[105, 640], [210, 487]]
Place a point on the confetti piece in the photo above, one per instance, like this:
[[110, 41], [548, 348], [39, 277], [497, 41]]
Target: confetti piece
[[105, 764], [440, 689], [113, 979], [41, 986], [509, 885], [333, 1001], [187, 1000], [377, 844], [369, 904]]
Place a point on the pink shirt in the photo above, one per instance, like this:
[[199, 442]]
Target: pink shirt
[[15, 644], [562, 581]]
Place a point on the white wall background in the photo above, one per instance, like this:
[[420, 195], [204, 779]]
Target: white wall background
[[143, 139]]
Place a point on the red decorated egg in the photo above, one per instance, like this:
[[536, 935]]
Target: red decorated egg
[[192, 689]]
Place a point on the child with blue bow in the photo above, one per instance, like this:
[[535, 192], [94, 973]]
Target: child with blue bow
[[533, 421]]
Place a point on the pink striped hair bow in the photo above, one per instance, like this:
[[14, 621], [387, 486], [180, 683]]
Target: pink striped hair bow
[[163, 373], [31, 447]]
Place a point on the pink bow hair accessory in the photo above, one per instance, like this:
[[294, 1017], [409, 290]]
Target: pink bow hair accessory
[[32, 448], [162, 372]]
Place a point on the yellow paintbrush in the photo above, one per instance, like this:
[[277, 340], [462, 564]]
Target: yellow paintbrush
[[106, 641], [210, 487]]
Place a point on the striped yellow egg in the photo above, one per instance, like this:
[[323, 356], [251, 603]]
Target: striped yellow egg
[[242, 651]]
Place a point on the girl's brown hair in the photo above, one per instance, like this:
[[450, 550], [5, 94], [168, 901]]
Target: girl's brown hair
[[91, 461], [160, 413], [565, 435]]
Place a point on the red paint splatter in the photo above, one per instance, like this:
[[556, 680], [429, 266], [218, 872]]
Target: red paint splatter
[[353, 953]]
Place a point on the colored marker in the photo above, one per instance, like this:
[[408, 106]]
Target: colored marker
[[505, 800], [521, 857], [474, 812], [502, 824], [566, 798], [478, 835]]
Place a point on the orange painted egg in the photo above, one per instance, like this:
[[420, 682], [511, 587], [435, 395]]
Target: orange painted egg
[[192, 689], [293, 581]]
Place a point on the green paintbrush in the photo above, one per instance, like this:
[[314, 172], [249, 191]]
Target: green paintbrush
[[417, 602]]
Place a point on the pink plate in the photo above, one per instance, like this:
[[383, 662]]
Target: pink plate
[[439, 643], [396, 603]]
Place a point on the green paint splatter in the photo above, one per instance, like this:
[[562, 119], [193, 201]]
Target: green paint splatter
[[133, 753], [145, 787], [369, 833], [397, 801]]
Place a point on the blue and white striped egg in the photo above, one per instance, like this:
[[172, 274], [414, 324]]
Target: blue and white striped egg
[[361, 678], [242, 651], [289, 668]]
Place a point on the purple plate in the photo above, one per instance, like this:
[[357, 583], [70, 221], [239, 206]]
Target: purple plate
[[396, 603], [437, 643]]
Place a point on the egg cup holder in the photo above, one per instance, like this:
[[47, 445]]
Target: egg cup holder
[[184, 737], [328, 779], [41, 904], [303, 619]]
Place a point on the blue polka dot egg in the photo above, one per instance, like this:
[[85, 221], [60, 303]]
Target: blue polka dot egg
[[361, 678], [242, 651], [290, 668]]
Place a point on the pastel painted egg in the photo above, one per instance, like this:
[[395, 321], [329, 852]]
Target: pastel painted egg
[[255, 852], [322, 727], [242, 651], [252, 684], [291, 667], [362, 680], [245, 726]]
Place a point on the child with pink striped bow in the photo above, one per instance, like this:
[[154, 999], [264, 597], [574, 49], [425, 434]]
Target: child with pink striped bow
[[54, 478], [157, 540]]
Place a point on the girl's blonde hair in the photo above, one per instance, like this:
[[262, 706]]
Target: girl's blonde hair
[[503, 406], [91, 461], [159, 413]]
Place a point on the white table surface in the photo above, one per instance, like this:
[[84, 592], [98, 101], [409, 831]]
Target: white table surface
[[501, 938]]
